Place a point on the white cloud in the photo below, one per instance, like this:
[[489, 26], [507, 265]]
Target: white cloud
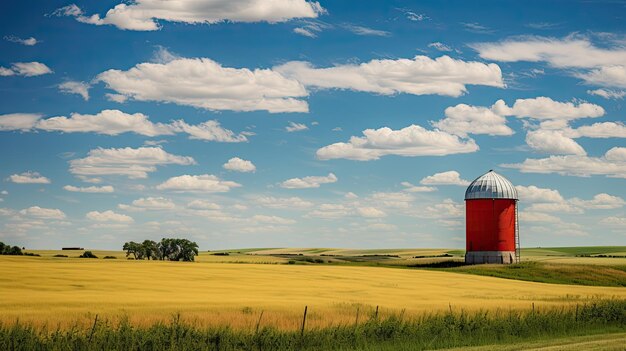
[[108, 216], [400, 200], [284, 203], [143, 15], [555, 207], [360, 30], [563, 53], [605, 65], [533, 193], [133, 163], [410, 141], [445, 178], [440, 46], [370, 212], [296, 127], [150, 204], [330, 211], [90, 189], [528, 216], [544, 108], [28, 41], [79, 88], [418, 76], [600, 201], [446, 209], [206, 84], [305, 31], [272, 220], [608, 94], [119, 98], [209, 131], [612, 164], [19, 121], [614, 221], [599, 130], [26, 69], [464, 119], [46, 213], [239, 165], [311, 28], [29, 178], [417, 189], [109, 122], [203, 205], [610, 76], [206, 183], [308, 182], [553, 142]]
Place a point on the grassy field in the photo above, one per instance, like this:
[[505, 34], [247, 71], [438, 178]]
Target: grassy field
[[67, 291], [603, 323]]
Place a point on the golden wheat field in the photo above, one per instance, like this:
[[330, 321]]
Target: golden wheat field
[[67, 292]]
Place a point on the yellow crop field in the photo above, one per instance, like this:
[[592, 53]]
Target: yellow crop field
[[66, 292]]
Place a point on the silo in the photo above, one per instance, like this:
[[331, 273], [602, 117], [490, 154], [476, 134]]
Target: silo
[[492, 230]]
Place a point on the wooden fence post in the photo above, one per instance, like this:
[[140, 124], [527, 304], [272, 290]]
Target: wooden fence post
[[304, 320], [93, 329]]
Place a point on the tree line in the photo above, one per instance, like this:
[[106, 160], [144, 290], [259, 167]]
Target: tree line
[[10, 250], [168, 249]]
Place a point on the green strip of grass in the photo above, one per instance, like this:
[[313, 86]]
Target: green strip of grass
[[434, 331], [551, 273]]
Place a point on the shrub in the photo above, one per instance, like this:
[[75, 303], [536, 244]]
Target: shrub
[[291, 262], [31, 254], [88, 254], [221, 254], [109, 257], [59, 255]]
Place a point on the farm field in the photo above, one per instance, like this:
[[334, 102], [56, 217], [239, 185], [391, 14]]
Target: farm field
[[63, 292]]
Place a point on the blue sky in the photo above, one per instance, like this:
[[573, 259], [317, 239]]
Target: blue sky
[[294, 123]]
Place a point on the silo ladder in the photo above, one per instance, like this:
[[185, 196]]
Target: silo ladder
[[517, 245]]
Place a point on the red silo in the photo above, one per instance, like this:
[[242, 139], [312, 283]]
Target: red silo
[[492, 231]]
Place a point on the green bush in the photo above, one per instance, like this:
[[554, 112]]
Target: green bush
[[59, 255], [110, 257], [88, 254]]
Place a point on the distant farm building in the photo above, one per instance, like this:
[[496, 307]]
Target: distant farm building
[[72, 248], [492, 229]]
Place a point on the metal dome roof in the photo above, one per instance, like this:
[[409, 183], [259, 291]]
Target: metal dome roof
[[491, 185]]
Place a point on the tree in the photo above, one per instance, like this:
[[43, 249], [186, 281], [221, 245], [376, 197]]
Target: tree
[[177, 249], [133, 248], [150, 249], [88, 254]]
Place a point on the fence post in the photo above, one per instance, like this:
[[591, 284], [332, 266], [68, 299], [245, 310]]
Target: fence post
[[258, 323], [304, 320], [376, 314], [93, 328], [356, 322]]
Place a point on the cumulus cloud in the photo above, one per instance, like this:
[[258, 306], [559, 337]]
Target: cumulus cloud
[[73, 87], [108, 216], [19, 121], [410, 141], [206, 84], [272, 220], [129, 162], [114, 122], [608, 93], [605, 66], [418, 76], [44, 213], [611, 164], [284, 203], [533, 193], [600, 201], [370, 212], [26, 69], [28, 41], [544, 108], [205, 183], [295, 127], [408, 187], [142, 15], [239, 165], [109, 122], [614, 221], [308, 182], [28, 178], [440, 46], [90, 189], [553, 142], [204, 205], [445, 178], [149, 203], [464, 119], [599, 130]]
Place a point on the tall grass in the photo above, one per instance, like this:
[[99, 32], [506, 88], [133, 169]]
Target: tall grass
[[430, 331]]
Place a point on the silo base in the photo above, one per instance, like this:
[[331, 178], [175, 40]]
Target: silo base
[[502, 257]]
